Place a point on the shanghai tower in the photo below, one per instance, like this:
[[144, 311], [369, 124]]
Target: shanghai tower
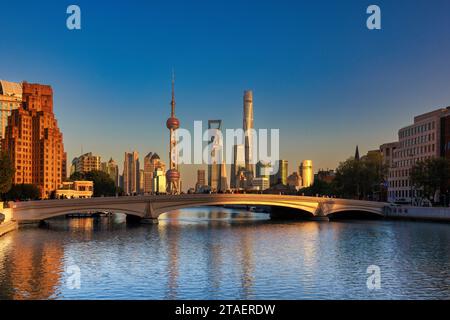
[[248, 128]]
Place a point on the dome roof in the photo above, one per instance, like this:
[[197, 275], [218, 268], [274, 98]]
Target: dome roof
[[11, 88]]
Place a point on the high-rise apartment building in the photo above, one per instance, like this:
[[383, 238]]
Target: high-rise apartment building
[[152, 162], [131, 173], [85, 163], [306, 172], [148, 173], [223, 178], [141, 181], [237, 166], [263, 169], [247, 127], [10, 99], [201, 180], [159, 181], [112, 169], [260, 183], [34, 142], [280, 175], [201, 177], [216, 168]]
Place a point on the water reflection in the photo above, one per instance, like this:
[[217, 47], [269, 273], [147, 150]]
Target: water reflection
[[30, 270], [216, 253]]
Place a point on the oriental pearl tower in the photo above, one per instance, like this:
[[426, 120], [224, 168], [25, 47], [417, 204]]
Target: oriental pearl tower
[[173, 175]]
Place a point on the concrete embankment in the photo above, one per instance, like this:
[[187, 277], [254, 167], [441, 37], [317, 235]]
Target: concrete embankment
[[418, 213], [8, 224]]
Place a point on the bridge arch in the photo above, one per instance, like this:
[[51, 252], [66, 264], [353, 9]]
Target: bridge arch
[[131, 215], [306, 210], [353, 214]]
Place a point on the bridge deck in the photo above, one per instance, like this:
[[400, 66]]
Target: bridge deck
[[153, 205]]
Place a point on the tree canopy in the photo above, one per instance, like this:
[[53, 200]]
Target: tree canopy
[[431, 175], [6, 172], [361, 178], [320, 188], [103, 184], [23, 192]]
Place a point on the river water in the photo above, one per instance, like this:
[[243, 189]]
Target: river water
[[217, 253]]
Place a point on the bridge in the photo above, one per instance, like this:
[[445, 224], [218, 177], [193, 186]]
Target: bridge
[[147, 209]]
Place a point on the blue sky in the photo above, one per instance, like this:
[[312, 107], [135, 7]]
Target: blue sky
[[317, 73]]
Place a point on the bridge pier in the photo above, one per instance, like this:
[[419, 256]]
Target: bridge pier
[[145, 220], [149, 221], [319, 218]]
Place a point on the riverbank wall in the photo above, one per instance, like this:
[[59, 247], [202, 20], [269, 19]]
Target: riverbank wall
[[8, 224], [418, 213]]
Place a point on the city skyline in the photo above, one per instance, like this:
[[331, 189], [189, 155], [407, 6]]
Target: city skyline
[[226, 157], [315, 80]]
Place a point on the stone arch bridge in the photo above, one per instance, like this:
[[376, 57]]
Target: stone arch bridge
[[149, 208]]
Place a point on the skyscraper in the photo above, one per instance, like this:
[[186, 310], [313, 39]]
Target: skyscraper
[[85, 163], [159, 181], [141, 181], [10, 99], [223, 178], [148, 173], [247, 127], [131, 174], [173, 175], [217, 179], [306, 172], [152, 162], [238, 165], [263, 169], [34, 142], [201, 177], [112, 169], [280, 176]]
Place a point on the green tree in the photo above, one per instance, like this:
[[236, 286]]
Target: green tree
[[360, 179], [103, 184], [348, 178], [77, 176], [6, 173], [431, 175], [23, 192], [320, 188]]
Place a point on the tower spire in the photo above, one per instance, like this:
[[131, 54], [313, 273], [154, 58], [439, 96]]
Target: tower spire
[[173, 94]]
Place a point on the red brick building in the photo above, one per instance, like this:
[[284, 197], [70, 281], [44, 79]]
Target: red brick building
[[34, 141]]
